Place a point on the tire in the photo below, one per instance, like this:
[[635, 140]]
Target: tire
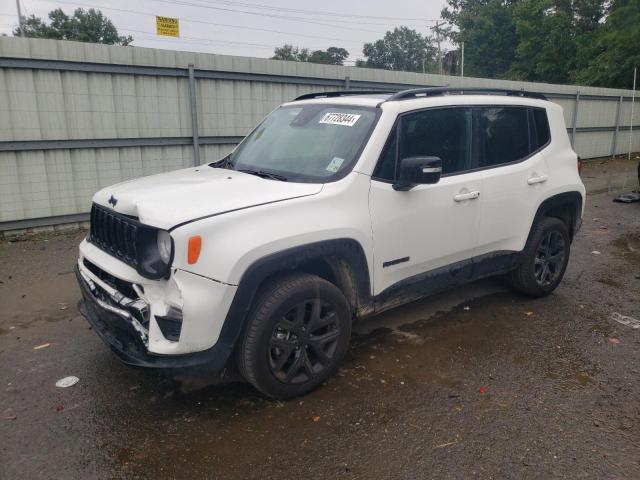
[[545, 259], [298, 332]]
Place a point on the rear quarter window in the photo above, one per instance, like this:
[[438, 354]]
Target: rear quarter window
[[541, 133]]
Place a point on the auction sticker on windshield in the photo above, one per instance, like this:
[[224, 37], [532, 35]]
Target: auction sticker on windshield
[[346, 119], [335, 164]]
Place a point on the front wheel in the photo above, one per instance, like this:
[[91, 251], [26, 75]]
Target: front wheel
[[298, 332], [545, 259]]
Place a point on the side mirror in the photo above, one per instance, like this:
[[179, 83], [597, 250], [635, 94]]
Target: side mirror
[[418, 171]]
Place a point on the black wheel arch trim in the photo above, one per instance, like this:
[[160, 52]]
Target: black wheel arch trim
[[351, 263], [571, 199]]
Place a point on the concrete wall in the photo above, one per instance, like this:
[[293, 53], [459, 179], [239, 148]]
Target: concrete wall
[[55, 93]]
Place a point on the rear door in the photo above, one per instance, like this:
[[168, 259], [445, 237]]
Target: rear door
[[429, 226], [510, 149]]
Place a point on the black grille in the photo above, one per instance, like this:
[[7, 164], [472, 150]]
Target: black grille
[[115, 234], [122, 286]]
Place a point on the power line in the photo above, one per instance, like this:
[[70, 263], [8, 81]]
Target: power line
[[209, 40], [272, 8], [188, 4], [193, 20], [192, 41], [263, 14]]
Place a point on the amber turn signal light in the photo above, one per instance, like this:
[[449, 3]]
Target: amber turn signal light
[[193, 250]]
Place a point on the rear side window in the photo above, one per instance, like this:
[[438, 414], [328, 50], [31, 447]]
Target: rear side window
[[503, 135], [540, 127], [509, 134]]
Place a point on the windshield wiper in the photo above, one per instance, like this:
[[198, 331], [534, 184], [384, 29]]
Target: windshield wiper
[[263, 174], [223, 163]]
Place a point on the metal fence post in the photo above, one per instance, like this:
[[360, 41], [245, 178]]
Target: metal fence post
[[574, 122], [347, 83], [614, 143], [194, 116]]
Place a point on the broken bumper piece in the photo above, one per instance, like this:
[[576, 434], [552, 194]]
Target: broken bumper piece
[[120, 323]]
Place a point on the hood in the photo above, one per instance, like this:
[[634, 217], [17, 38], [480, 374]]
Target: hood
[[172, 198]]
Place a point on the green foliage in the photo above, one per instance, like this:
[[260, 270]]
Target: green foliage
[[487, 28], [546, 36], [291, 53], [401, 49], [610, 55], [331, 56], [592, 42], [84, 26]]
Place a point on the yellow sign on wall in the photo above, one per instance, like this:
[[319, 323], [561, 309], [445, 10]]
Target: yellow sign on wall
[[167, 26]]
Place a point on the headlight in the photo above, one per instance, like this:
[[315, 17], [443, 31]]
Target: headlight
[[164, 246], [155, 252]]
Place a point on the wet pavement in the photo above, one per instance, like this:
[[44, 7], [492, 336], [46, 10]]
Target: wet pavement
[[479, 382]]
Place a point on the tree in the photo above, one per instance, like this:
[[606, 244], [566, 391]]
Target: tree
[[487, 29], [550, 32], [332, 55], [610, 56], [546, 35], [401, 49], [291, 53], [84, 26]]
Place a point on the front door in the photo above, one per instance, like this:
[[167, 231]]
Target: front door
[[429, 226]]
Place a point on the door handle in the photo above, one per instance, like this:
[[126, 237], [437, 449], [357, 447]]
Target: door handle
[[461, 197], [537, 179]]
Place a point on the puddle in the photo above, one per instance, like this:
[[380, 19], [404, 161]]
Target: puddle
[[628, 247], [435, 363], [24, 320], [610, 283]]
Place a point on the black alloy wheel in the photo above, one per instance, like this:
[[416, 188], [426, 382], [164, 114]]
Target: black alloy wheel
[[543, 260], [304, 342], [298, 331], [550, 258]]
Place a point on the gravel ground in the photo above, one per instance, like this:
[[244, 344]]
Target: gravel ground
[[478, 382]]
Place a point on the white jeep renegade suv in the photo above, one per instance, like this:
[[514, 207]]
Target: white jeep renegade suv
[[337, 206]]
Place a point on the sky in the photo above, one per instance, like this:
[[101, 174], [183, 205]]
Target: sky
[[248, 27]]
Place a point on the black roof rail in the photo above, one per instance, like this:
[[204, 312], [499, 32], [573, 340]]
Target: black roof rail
[[435, 91], [342, 93]]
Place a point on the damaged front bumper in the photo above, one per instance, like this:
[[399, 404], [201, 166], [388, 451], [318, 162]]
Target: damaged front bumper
[[173, 323]]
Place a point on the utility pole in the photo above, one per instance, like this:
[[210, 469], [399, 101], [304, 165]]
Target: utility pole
[[21, 27], [462, 61], [436, 29], [633, 101]]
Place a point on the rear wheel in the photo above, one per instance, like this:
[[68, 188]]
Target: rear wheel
[[298, 332], [544, 260]]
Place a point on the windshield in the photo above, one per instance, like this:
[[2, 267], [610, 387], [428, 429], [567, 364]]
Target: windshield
[[313, 143]]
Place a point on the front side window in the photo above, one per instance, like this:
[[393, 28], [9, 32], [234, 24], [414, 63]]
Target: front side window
[[312, 143], [437, 132]]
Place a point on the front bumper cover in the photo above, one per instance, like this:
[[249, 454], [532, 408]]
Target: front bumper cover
[[121, 331]]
